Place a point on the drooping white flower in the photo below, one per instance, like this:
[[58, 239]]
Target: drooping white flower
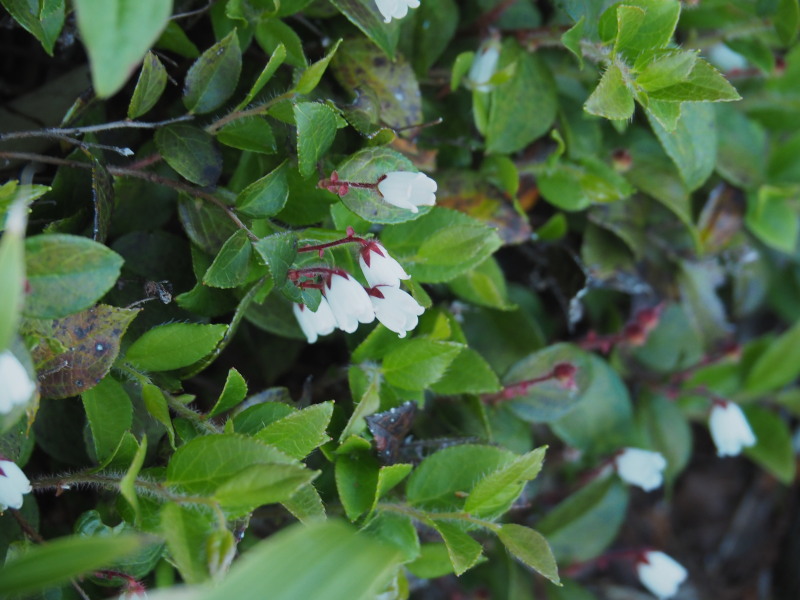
[[13, 485], [660, 573], [729, 428], [349, 302], [378, 267], [395, 9], [408, 190], [484, 65], [16, 386], [641, 467], [315, 323], [396, 309]]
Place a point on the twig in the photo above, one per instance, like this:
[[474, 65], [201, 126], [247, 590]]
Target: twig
[[57, 131]]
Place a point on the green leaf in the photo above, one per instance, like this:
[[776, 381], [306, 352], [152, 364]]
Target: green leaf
[[666, 69], [273, 34], [275, 60], [584, 524], [261, 484], [12, 279], [356, 482], [278, 252], [611, 98], [175, 345], [117, 34], [316, 128], [353, 567], [772, 217], [212, 78], [369, 400], [56, 562], [693, 144], [43, 18], [207, 462], [66, 274], [703, 84], [254, 418], [742, 149], [267, 196], [364, 15], [306, 505], [469, 373], [390, 476], [419, 363], [311, 76], [435, 25], [301, 432], [156, 405], [151, 84], [232, 394], [174, 39], [484, 285], [186, 532], [572, 40], [463, 550], [639, 25], [668, 431], [232, 265], [494, 492], [191, 152], [127, 484], [460, 68], [395, 530], [440, 245], [250, 133], [778, 365], [787, 21], [531, 548], [110, 414], [524, 107], [773, 449]]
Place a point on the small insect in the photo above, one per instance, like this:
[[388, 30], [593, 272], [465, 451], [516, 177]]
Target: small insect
[[389, 429]]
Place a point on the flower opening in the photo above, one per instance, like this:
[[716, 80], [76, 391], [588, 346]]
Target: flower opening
[[408, 190]]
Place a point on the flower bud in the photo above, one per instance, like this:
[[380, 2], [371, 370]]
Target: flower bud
[[661, 574], [396, 309], [315, 323], [408, 190], [484, 65], [379, 268], [349, 302], [13, 485], [642, 468], [17, 386], [729, 428], [395, 9]]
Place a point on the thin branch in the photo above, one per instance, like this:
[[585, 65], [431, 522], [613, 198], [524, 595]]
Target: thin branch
[[58, 131], [248, 112], [192, 13]]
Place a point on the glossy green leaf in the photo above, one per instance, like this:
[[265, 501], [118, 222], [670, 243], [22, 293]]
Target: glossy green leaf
[[356, 482], [151, 84], [266, 196], [316, 128], [110, 414], [212, 78], [278, 252], [312, 75], [117, 34], [491, 494], [275, 60], [186, 532], [261, 484], [60, 286], [530, 547], [419, 363], [175, 345], [250, 133], [301, 432], [273, 34], [191, 152], [232, 265], [232, 394]]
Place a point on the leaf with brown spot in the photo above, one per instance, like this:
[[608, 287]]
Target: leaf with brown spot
[[468, 193], [74, 353]]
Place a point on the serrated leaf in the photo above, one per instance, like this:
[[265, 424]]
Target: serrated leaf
[[316, 128], [267, 196], [469, 373], [212, 78], [369, 403], [232, 394], [530, 547], [232, 264], [272, 34], [464, 551], [191, 152], [419, 363], [666, 69], [175, 345], [364, 15], [639, 25], [117, 34], [278, 252], [66, 274], [151, 84], [43, 18], [703, 84], [311, 76], [356, 482], [186, 531], [261, 484], [572, 40], [306, 505], [110, 414], [250, 133], [301, 432], [611, 98], [491, 493], [126, 484]]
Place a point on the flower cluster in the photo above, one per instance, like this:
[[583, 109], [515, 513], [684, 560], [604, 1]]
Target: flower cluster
[[660, 573], [13, 485], [395, 9], [18, 387], [642, 468], [345, 302]]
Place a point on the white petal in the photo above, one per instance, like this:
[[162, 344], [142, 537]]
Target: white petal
[[382, 270], [13, 485], [661, 574], [397, 310], [642, 468], [349, 303], [729, 429], [17, 386]]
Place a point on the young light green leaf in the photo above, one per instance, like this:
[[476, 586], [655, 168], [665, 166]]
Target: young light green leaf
[[572, 40], [463, 550], [151, 84], [191, 152], [186, 532], [461, 67], [272, 34], [301, 432], [66, 274], [311, 76], [491, 494], [156, 405], [316, 128], [175, 345], [232, 394], [703, 84], [419, 363], [267, 196], [530, 547], [261, 484], [232, 264], [388, 477], [778, 365], [212, 78], [306, 505], [469, 373], [666, 69], [110, 414], [43, 18], [12, 271], [275, 60], [639, 25], [611, 98], [117, 34]]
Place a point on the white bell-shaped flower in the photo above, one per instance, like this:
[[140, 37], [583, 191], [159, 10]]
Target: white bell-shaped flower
[[484, 65], [642, 468], [408, 190], [396, 309], [13, 485], [16, 386], [349, 302], [315, 323], [379, 268], [395, 9], [661, 574], [729, 428]]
